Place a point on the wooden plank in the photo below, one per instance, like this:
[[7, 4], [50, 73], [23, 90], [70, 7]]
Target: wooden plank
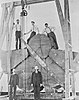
[[2, 19], [64, 26], [61, 18], [6, 21], [41, 62], [18, 3], [9, 37], [2, 25], [67, 51], [23, 30], [67, 17], [8, 33]]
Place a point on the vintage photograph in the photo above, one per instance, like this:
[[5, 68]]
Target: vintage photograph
[[39, 49]]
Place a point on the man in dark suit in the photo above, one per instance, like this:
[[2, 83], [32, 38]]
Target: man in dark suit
[[14, 81], [36, 82]]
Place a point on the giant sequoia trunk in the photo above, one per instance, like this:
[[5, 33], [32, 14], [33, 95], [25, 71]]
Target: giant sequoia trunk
[[54, 59]]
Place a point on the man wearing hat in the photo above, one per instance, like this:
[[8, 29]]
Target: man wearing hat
[[14, 82], [49, 32], [18, 34], [34, 30], [36, 82]]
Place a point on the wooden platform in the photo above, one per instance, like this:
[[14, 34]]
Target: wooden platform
[[43, 96]]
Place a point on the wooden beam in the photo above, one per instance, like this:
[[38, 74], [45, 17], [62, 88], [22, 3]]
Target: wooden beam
[[41, 62], [2, 26], [8, 33], [65, 31], [18, 3], [67, 50], [61, 18], [2, 19], [67, 17], [5, 27]]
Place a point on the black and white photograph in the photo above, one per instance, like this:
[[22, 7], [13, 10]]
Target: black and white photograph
[[39, 49]]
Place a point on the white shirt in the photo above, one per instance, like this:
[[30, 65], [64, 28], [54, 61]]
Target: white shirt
[[48, 30], [18, 27], [35, 28]]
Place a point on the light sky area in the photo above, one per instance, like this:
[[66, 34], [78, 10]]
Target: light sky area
[[47, 12]]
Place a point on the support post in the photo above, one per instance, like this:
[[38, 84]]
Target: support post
[[2, 18], [2, 26], [6, 21], [8, 33], [24, 52], [67, 51], [67, 38], [67, 17]]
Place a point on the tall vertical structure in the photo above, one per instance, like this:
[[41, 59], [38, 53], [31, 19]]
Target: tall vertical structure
[[23, 17], [7, 26]]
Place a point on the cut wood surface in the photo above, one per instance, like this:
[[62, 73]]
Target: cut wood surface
[[54, 60], [41, 45]]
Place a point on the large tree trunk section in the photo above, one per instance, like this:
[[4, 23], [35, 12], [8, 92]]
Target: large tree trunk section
[[53, 73], [41, 45]]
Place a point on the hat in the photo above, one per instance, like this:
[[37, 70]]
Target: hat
[[46, 23], [36, 67], [17, 20], [32, 22]]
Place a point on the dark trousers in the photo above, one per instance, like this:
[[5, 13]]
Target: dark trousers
[[12, 94], [18, 39], [36, 92], [53, 40], [32, 34]]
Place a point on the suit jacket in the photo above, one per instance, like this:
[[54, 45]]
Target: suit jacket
[[14, 80], [36, 78]]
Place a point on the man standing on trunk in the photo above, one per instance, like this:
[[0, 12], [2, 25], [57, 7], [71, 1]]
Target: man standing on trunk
[[34, 31], [49, 32], [18, 34], [36, 82]]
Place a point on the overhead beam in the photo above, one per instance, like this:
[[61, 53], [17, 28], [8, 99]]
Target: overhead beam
[[67, 17], [68, 49], [18, 2]]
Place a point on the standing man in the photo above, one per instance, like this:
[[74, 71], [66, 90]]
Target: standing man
[[36, 82], [34, 30], [14, 82], [18, 34], [49, 31]]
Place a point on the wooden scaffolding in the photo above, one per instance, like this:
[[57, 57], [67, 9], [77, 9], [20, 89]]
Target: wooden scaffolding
[[7, 19]]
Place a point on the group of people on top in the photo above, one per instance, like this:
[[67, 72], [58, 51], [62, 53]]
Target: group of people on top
[[48, 31]]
